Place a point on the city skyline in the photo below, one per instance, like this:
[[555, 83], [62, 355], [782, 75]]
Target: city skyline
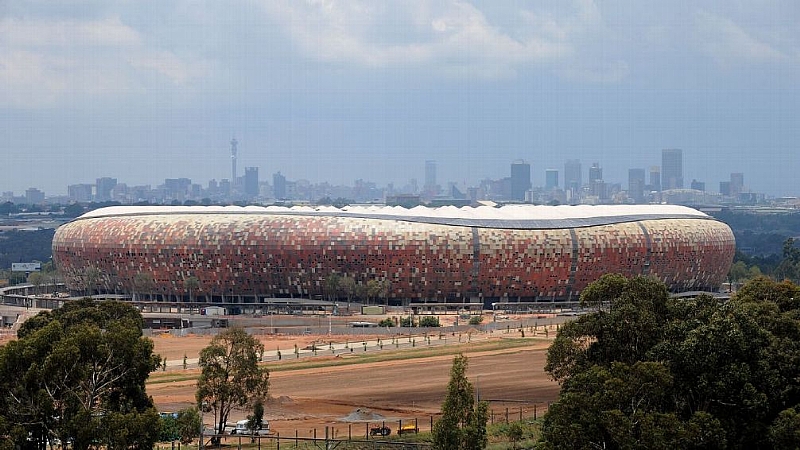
[[341, 91], [516, 187]]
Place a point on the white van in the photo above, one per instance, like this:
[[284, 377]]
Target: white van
[[243, 429]]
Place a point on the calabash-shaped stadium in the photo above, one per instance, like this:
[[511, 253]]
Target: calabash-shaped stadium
[[470, 254]]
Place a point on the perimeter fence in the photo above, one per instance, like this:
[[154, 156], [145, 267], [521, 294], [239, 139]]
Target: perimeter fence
[[357, 436]]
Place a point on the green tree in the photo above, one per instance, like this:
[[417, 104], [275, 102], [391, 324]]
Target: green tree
[[648, 371], [349, 286], [255, 421], [143, 283], [191, 284], [36, 279], [230, 376], [462, 425], [78, 374], [429, 321], [332, 285], [187, 424]]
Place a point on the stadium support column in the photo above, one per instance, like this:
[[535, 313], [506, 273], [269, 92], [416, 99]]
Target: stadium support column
[[476, 263], [574, 266], [649, 250]]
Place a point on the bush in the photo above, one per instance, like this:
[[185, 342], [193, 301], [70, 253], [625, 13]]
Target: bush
[[475, 320], [406, 321], [429, 321], [386, 323]]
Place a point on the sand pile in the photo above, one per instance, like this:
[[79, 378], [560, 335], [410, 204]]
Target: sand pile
[[362, 415]]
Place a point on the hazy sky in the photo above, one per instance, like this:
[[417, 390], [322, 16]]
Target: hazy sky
[[328, 90]]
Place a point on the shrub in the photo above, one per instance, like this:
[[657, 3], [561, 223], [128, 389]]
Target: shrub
[[429, 321]]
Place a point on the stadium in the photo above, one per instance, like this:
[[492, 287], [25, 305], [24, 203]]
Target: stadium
[[481, 254]]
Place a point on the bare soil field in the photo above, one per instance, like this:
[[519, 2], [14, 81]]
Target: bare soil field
[[305, 400]]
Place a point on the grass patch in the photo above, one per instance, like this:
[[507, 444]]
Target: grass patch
[[513, 435]]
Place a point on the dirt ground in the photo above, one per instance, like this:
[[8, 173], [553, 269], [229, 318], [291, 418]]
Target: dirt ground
[[347, 397], [306, 400]]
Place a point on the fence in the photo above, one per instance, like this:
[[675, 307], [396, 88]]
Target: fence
[[357, 436]]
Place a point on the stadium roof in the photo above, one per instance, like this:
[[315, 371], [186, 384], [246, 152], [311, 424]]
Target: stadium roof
[[508, 216]]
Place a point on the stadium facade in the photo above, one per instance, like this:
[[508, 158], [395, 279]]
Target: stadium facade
[[448, 254]]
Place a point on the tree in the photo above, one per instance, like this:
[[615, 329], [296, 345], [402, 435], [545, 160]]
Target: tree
[[191, 284], [463, 422], [187, 424], [348, 285], [91, 275], [230, 376], [648, 371], [142, 283], [332, 286], [429, 321], [36, 279], [255, 421], [78, 374]]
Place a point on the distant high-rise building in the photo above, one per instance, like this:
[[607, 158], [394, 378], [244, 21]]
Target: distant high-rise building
[[430, 188], [80, 192], [34, 196], [595, 173], [103, 188], [725, 188], [655, 178], [698, 185], [251, 182], [596, 183], [672, 168], [737, 184], [551, 179], [520, 180], [636, 185], [278, 186], [572, 175]]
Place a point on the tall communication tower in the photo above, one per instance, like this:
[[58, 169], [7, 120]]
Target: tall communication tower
[[234, 143]]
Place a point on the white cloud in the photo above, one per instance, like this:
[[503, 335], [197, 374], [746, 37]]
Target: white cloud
[[44, 60], [67, 33], [728, 43], [450, 37]]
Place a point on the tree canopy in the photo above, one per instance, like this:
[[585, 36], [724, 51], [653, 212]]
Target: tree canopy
[[649, 371], [77, 374], [230, 375], [463, 422]]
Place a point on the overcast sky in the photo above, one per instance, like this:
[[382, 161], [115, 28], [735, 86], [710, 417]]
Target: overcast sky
[[336, 91]]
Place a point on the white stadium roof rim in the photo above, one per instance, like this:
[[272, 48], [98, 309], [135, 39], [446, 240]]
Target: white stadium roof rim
[[521, 217]]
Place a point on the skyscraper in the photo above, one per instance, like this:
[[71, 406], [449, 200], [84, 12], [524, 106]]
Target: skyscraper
[[430, 188], [551, 179], [251, 181], [655, 178], [595, 173], [636, 185], [278, 186], [572, 175], [672, 168], [737, 184], [520, 180], [596, 183], [103, 188]]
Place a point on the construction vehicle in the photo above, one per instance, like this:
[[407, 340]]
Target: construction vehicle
[[380, 431], [408, 428]]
